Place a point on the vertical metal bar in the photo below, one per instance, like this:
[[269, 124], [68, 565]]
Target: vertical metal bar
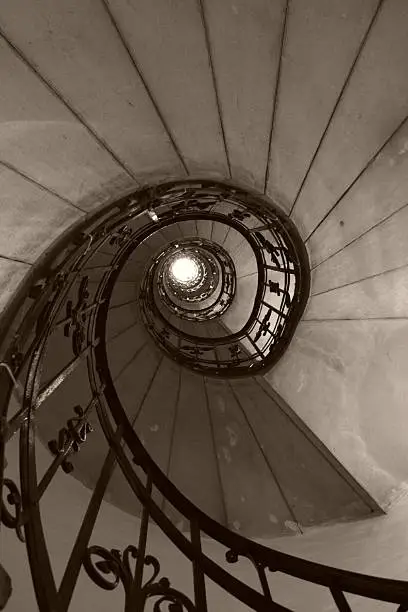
[[198, 574], [7, 384], [341, 601], [40, 564], [257, 349], [134, 598], [275, 310], [75, 561], [264, 582]]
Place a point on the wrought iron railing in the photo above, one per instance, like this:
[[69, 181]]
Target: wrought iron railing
[[282, 279], [58, 295]]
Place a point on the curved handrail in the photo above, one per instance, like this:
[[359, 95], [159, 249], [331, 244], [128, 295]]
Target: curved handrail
[[382, 589], [277, 345], [46, 290]]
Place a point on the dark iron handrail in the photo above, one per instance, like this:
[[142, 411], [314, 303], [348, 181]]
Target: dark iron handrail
[[35, 312]]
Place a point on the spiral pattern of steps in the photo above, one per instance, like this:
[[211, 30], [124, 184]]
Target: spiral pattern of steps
[[305, 103], [233, 447]]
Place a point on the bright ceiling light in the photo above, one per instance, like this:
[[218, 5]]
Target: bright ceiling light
[[184, 269]]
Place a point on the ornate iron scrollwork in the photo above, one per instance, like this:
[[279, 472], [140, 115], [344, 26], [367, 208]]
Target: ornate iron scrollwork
[[118, 565], [274, 287], [274, 250], [235, 352], [120, 237], [232, 556], [193, 351], [70, 438], [190, 204], [264, 326], [77, 317], [239, 214], [13, 499]]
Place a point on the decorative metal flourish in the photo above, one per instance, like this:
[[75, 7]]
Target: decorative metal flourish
[[264, 327], [232, 556], [70, 438], [187, 205], [173, 599], [113, 563], [120, 237], [235, 352], [77, 317], [193, 350], [13, 499], [115, 567], [274, 287], [164, 334], [5, 587], [274, 250], [239, 214]]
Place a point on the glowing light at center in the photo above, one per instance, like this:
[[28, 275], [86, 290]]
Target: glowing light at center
[[184, 270]]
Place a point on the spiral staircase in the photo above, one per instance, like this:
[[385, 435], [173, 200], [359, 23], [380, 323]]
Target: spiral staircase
[[203, 283]]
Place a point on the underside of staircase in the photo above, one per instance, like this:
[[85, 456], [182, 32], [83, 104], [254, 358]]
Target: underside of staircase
[[108, 108]]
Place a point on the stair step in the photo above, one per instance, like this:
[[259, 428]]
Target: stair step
[[314, 489], [193, 465], [188, 228], [143, 369], [254, 503]]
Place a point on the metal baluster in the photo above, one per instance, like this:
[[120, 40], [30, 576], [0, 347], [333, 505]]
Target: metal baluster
[[257, 349], [49, 474], [275, 310], [341, 601], [74, 564], [135, 598], [198, 574], [264, 581]]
